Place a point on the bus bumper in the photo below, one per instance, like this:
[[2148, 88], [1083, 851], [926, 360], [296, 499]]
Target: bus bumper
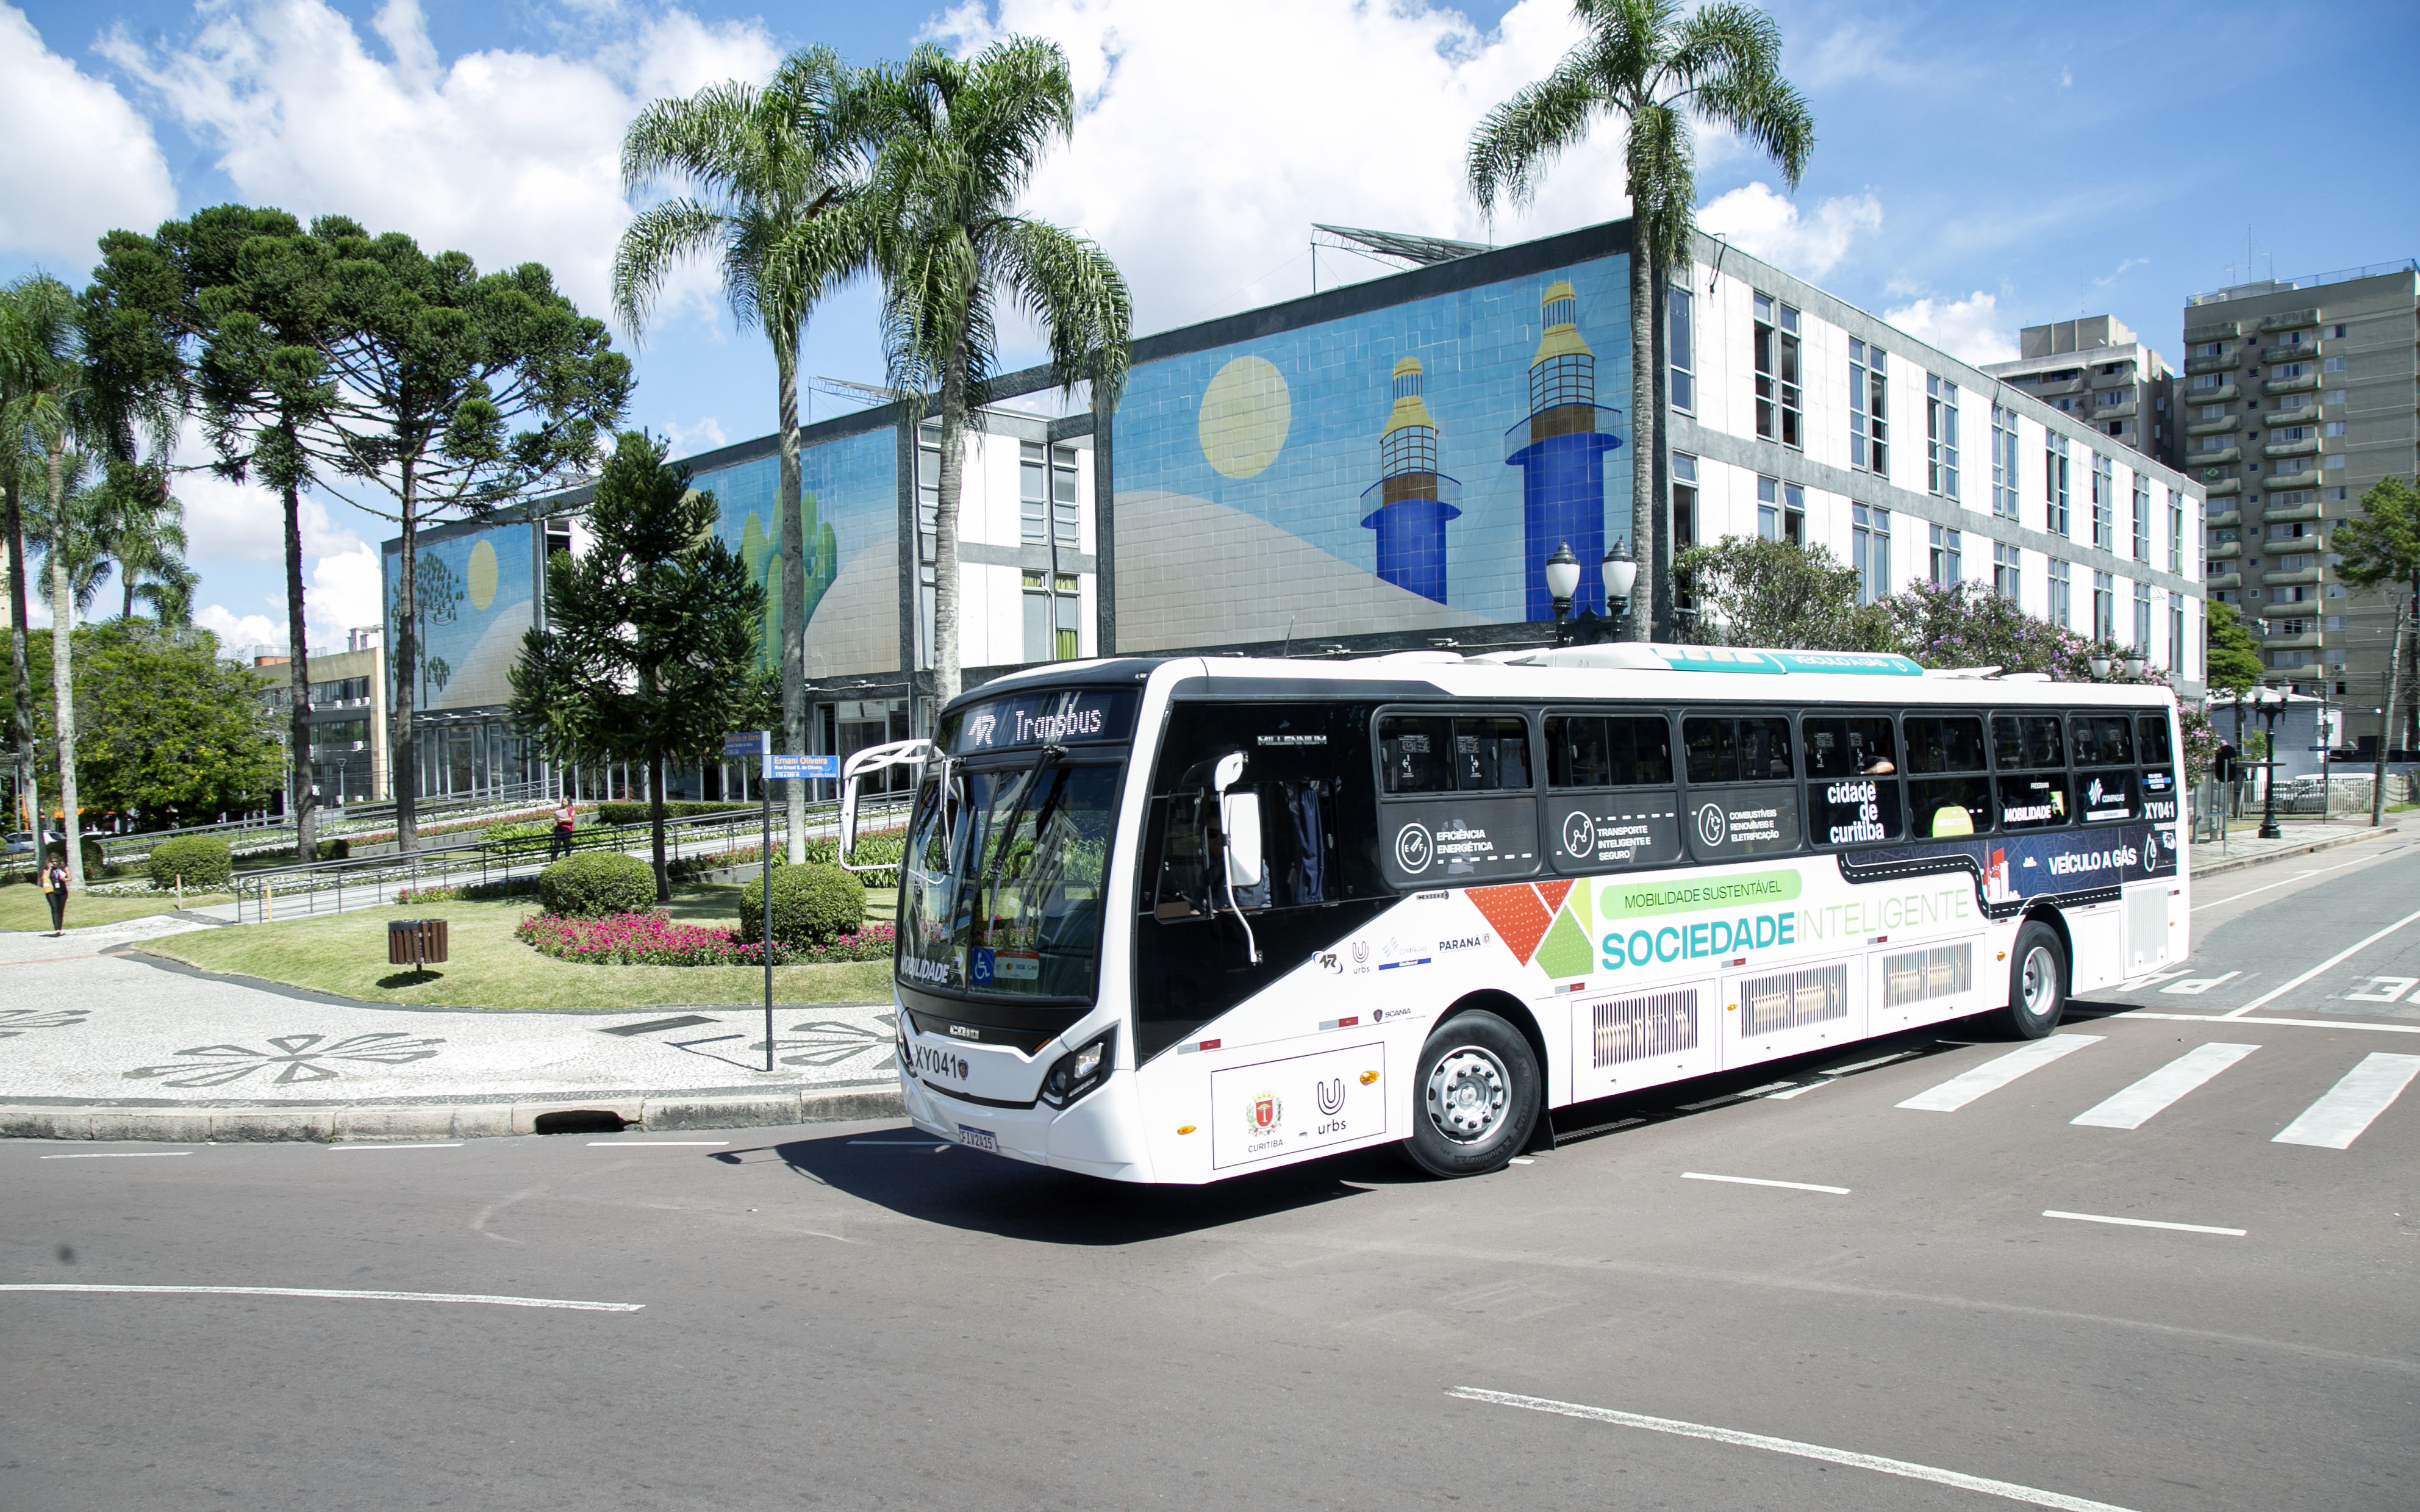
[[1095, 1136]]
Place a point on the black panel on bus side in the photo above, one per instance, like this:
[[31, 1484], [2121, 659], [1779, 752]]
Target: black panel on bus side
[[1307, 765]]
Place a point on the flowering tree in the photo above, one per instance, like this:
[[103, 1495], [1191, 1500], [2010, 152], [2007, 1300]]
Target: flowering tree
[[1968, 625]]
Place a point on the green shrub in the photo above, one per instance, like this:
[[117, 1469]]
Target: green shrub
[[597, 884], [628, 813], [883, 848], [812, 906], [197, 862], [335, 849]]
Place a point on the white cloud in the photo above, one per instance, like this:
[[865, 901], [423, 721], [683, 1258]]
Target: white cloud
[[510, 156], [1970, 329], [1765, 224], [689, 440], [241, 635], [1203, 155], [80, 161], [230, 521], [343, 592]]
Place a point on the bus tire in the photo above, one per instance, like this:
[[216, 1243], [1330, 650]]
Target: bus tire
[[1475, 1097], [2037, 983]]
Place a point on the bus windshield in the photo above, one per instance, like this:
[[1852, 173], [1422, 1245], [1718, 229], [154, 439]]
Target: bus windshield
[[1003, 894]]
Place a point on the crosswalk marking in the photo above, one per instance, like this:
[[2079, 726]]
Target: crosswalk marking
[[1991, 1075], [2340, 1116], [2137, 1104]]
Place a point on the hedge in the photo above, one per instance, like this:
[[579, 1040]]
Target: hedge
[[600, 883], [201, 861], [628, 813], [812, 906]]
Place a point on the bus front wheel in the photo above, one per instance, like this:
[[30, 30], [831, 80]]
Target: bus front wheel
[[1475, 1097], [2037, 982]]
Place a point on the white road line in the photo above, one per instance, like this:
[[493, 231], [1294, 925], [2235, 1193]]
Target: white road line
[[2138, 1104], [2346, 954], [654, 1144], [117, 1155], [1759, 1181], [564, 1304], [1798, 1091], [2142, 1223], [2289, 1024], [2339, 1118], [1867, 1066], [1736, 1096], [2287, 882], [348, 1149], [1991, 1075], [1908, 1469]]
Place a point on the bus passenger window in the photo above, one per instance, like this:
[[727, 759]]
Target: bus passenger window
[[2160, 777], [1415, 755], [1491, 754], [2026, 742], [2032, 757], [2103, 739], [1722, 750], [2153, 731], [1852, 779], [1948, 794], [1608, 753]]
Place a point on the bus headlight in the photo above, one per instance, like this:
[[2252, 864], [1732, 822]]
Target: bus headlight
[[1079, 1073]]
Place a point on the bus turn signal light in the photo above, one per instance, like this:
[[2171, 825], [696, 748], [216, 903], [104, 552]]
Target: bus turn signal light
[[1184, 1129], [1368, 1077]]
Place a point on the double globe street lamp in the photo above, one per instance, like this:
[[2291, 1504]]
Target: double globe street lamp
[[1563, 584]]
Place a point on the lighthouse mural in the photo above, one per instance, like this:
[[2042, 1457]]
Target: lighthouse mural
[[1411, 501], [1560, 451]]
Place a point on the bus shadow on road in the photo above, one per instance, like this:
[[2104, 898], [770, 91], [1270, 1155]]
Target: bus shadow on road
[[935, 1183]]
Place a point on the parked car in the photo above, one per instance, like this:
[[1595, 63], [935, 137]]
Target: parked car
[[21, 842]]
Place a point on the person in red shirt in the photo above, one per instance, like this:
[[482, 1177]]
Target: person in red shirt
[[566, 816]]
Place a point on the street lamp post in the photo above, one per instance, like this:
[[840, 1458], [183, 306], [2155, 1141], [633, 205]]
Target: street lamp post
[[1563, 582], [2269, 709], [1620, 577]]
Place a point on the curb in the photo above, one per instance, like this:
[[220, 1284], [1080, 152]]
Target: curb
[[374, 1122], [2219, 868]]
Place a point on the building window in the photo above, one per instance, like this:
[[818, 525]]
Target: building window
[[2176, 635], [2105, 483], [1033, 494], [2005, 579], [1940, 437], [1947, 556], [1052, 618], [2105, 607], [2143, 619], [1685, 500], [1868, 408], [1679, 340], [2061, 611], [2054, 484], [2003, 461], [2142, 518], [1778, 398], [1869, 552], [2176, 533], [1780, 511]]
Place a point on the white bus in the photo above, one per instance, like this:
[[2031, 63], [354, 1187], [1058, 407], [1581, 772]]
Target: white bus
[[1176, 920]]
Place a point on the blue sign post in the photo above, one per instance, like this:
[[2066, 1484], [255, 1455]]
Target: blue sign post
[[760, 743]]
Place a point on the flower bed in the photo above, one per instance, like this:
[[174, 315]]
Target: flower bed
[[652, 939]]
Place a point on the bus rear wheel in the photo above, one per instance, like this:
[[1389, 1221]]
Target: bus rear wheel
[[2037, 983], [1475, 1097]]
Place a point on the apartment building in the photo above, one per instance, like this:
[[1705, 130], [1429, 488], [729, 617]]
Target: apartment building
[[1793, 412], [2099, 371], [348, 716], [2298, 395]]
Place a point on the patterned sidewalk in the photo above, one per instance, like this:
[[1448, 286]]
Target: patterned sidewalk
[[98, 1042]]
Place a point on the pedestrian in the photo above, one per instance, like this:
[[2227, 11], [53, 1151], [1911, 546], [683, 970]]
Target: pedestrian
[[565, 815], [54, 888]]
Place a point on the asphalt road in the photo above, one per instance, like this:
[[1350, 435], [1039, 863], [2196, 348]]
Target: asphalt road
[[852, 1316]]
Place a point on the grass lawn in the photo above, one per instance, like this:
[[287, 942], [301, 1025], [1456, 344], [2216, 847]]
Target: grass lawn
[[345, 954], [23, 906]]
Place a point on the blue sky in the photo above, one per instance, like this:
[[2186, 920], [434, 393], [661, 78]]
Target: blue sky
[[1977, 168]]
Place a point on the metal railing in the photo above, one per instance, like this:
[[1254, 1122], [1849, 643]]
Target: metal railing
[[321, 886], [335, 823]]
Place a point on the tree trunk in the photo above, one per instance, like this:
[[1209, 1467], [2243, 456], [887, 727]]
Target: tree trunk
[[793, 628], [1656, 565], [2386, 724], [403, 765], [656, 824], [21, 711], [1642, 418], [303, 794], [945, 526], [62, 678]]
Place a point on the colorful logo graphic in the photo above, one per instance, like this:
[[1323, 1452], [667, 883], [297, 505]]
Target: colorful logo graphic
[[1262, 1115]]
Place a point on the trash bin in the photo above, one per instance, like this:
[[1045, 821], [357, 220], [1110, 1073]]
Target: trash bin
[[414, 942]]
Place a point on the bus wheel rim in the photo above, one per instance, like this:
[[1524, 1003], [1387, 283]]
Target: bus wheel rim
[[2042, 981], [1468, 1094]]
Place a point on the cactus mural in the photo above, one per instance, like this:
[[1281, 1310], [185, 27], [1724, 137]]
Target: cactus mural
[[760, 548]]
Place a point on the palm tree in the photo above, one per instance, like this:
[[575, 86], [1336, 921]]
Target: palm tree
[[1654, 68], [957, 140], [141, 527], [170, 594], [761, 166], [34, 312]]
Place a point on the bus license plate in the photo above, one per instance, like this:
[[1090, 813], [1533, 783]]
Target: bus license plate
[[980, 1139]]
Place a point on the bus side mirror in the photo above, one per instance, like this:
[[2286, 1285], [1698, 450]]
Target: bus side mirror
[[1239, 820]]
